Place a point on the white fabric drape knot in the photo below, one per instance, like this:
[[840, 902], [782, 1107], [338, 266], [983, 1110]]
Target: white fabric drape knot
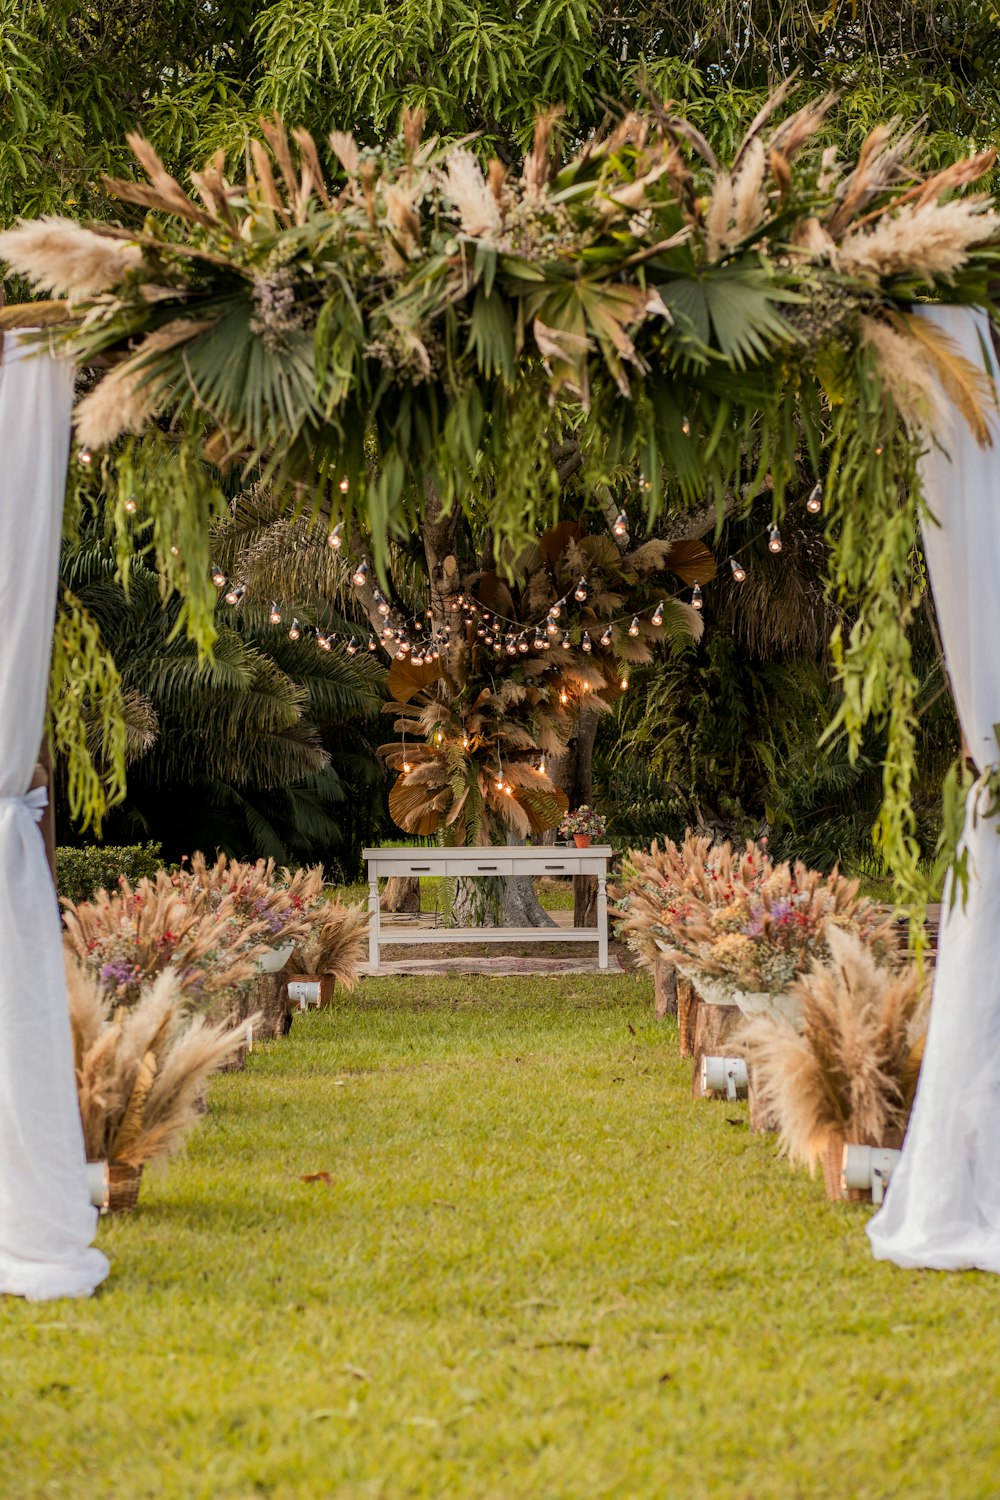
[[34, 802]]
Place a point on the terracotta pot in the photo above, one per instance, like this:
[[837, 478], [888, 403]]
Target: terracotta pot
[[582, 840]]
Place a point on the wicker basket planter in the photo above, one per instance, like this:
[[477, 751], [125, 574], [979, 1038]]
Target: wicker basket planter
[[123, 1187]]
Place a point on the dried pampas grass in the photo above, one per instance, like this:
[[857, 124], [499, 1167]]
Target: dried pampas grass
[[59, 256], [465, 185], [852, 1068], [738, 204], [335, 944], [928, 239], [141, 1074], [126, 399], [907, 377]]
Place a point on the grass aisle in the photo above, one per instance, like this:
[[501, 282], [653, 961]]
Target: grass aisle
[[540, 1270]]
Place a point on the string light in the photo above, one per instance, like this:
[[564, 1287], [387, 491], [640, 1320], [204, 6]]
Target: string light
[[815, 502], [634, 627], [607, 637], [85, 457], [564, 697], [620, 527], [624, 683], [523, 643], [344, 486], [696, 599], [275, 614], [381, 604], [218, 577], [175, 551], [551, 626], [540, 641], [556, 609], [738, 570], [686, 426], [586, 643], [580, 592], [236, 594], [508, 789], [657, 618], [372, 643], [465, 742], [773, 539], [131, 505], [294, 630], [352, 647], [360, 575], [541, 766], [335, 538], [324, 642], [565, 643]]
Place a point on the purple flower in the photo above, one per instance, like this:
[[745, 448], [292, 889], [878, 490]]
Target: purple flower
[[117, 972]]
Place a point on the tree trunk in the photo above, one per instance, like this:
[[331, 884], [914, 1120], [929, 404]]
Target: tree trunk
[[664, 987], [402, 893], [508, 901], [714, 1025]]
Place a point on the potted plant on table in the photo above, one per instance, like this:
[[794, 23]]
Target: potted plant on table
[[583, 825]]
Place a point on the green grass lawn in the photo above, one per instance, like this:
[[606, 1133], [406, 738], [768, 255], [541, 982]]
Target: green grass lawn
[[540, 1269]]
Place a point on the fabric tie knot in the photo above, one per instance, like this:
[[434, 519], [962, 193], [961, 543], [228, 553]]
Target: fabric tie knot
[[35, 802]]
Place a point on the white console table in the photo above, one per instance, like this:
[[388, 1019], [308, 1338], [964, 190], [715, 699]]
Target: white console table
[[484, 861]]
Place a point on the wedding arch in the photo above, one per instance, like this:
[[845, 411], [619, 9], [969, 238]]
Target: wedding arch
[[406, 329]]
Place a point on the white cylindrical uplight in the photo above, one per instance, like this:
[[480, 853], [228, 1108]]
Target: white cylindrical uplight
[[868, 1167], [724, 1075], [98, 1184]]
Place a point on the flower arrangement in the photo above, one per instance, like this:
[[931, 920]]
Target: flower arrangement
[[583, 821], [126, 939], [284, 902], [141, 1072], [335, 943], [749, 924], [848, 1071]]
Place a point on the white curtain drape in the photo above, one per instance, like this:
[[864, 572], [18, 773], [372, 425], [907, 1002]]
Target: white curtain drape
[[943, 1205], [46, 1221]]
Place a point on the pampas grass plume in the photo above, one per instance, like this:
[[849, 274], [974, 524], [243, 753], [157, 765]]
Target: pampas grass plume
[[61, 257]]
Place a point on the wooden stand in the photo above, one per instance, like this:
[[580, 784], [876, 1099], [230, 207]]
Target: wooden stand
[[713, 1025]]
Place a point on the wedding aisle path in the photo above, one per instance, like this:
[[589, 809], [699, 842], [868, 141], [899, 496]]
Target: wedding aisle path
[[536, 1268]]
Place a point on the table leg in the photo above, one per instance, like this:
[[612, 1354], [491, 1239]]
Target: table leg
[[373, 924], [602, 921]]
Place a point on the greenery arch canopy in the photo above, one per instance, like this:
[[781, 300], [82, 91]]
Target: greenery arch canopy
[[403, 320]]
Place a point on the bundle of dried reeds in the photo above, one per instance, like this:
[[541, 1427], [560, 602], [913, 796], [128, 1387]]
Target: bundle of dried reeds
[[141, 1071], [851, 1069], [335, 943]]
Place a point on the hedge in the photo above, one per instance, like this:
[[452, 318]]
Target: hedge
[[81, 872]]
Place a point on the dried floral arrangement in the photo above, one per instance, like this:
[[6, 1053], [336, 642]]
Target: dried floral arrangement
[[284, 901], [743, 921], [408, 322], [127, 937], [584, 820], [335, 943], [850, 1069], [141, 1070]]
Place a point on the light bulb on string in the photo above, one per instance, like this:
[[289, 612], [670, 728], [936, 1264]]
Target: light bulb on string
[[381, 604], [686, 425], [508, 790], [324, 642], [607, 637], [523, 644], [565, 643], [657, 617], [587, 643], [498, 647], [294, 630], [344, 486], [465, 742], [556, 609], [218, 577], [400, 654], [564, 697], [481, 632], [417, 660], [236, 594], [739, 572], [131, 505], [84, 456], [275, 613], [372, 643], [620, 527], [773, 539], [175, 551], [360, 575], [336, 539], [387, 632], [580, 592], [539, 641], [815, 502], [696, 599], [624, 683], [634, 627], [351, 647], [551, 626]]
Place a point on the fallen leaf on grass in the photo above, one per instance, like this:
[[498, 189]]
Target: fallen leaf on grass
[[734, 1122], [667, 1375], [323, 1177], [631, 1028], [357, 1372], [443, 1203]]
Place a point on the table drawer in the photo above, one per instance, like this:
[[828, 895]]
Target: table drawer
[[410, 867], [554, 866], [483, 866]]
